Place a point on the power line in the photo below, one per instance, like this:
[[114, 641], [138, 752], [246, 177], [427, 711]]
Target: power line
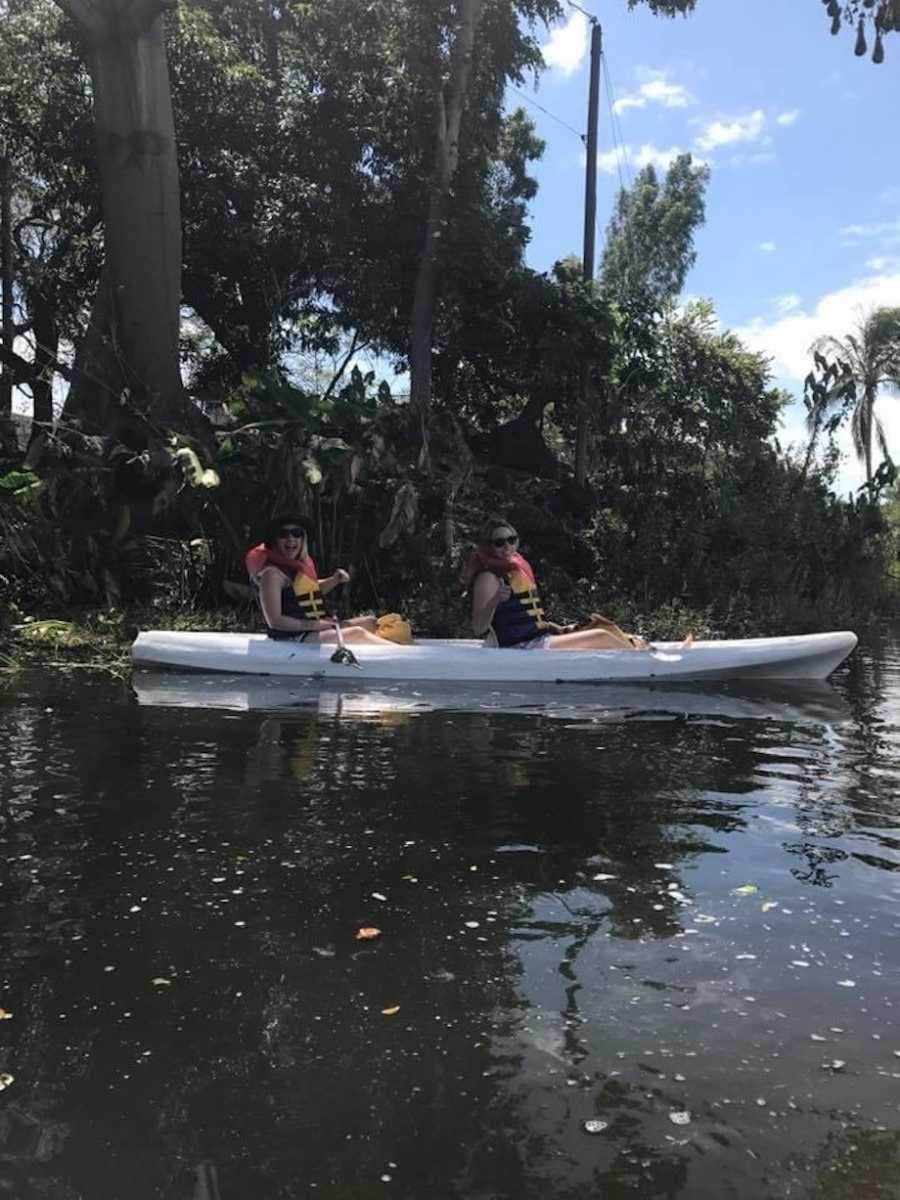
[[616, 126], [547, 112]]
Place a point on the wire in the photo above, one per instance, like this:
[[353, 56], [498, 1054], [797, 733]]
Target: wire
[[547, 112], [616, 125], [621, 157]]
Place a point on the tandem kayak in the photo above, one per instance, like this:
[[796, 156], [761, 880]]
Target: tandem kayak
[[812, 656]]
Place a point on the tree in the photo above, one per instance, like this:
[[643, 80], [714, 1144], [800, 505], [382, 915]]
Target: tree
[[454, 71], [650, 238], [53, 258], [884, 16], [869, 358], [132, 343]]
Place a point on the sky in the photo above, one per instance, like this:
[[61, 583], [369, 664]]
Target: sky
[[802, 234]]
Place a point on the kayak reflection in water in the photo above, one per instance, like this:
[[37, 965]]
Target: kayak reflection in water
[[291, 595], [506, 606]]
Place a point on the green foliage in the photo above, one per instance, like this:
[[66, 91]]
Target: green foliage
[[872, 20], [848, 376], [305, 158], [650, 238]]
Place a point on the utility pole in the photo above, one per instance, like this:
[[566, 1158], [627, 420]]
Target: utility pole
[[590, 238]]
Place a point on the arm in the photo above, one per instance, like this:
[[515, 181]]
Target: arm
[[270, 584], [487, 592], [332, 581]]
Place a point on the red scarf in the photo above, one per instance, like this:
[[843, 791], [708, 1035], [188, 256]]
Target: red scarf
[[261, 556], [482, 560]]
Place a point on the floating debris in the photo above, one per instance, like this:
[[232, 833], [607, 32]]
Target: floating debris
[[680, 1117], [769, 905], [472, 924], [846, 983], [746, 889], [5, 1080], [390, 1012], [378, 896], [604, 878], [595, 1126], [160, 982], [367, 932], [664, 866], [4, 1015]]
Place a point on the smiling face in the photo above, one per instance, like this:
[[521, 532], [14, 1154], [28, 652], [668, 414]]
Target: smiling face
[[504, 541], [290, 541]]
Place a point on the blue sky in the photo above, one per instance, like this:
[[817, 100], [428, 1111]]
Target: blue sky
[[803, 210]]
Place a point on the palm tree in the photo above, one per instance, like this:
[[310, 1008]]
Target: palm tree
[[870, 357]]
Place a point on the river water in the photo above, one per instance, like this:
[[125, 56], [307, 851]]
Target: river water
[[631, 943]]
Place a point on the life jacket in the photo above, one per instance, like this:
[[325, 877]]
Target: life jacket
[[521, 617], [300, 599]]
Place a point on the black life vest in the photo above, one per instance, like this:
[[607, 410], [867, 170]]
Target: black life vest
[[301, 600], [521, 617]]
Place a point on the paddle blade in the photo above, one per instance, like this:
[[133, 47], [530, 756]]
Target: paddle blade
[[345, 658]]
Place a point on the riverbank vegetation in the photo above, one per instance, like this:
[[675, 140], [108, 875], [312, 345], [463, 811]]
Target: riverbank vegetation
[[327, 306]]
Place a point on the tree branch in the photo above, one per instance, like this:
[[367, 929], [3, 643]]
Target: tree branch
[[355, 348], [26, 371]]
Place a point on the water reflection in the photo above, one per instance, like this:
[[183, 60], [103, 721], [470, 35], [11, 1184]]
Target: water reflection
[[611, 908], [809, 700]]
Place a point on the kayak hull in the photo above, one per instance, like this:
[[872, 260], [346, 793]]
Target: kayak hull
[[812, 656]]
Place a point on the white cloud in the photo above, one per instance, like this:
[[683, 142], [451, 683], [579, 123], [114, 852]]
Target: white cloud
[[568, 45], [788, 118], [746, 128], [647, 155], [768, 247], [787, 303], [788, 338], [883, 264], [889, 230], [656, 90]]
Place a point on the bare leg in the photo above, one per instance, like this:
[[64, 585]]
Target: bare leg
[[353, 636], [368, 623], [594, 639]]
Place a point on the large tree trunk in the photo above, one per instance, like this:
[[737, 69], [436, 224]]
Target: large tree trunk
[[450, 105], [6, 282], [140, 314]]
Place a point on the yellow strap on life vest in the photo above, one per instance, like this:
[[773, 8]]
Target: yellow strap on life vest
[[394, 628], [310, 598]]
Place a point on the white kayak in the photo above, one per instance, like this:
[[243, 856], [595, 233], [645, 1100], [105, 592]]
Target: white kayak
[[812, 656]]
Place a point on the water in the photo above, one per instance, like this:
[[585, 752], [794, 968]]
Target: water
[[599, 907]]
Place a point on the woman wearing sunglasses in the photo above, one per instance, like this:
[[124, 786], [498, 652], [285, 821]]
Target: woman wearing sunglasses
[[506, 606], [291, 595]]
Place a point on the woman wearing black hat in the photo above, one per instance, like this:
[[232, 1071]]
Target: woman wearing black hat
[[291, 594]]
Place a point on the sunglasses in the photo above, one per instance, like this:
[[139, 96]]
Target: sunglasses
[[291, 531], [499, 543]]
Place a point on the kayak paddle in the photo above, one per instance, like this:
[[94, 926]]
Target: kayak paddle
[[343, 656]]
